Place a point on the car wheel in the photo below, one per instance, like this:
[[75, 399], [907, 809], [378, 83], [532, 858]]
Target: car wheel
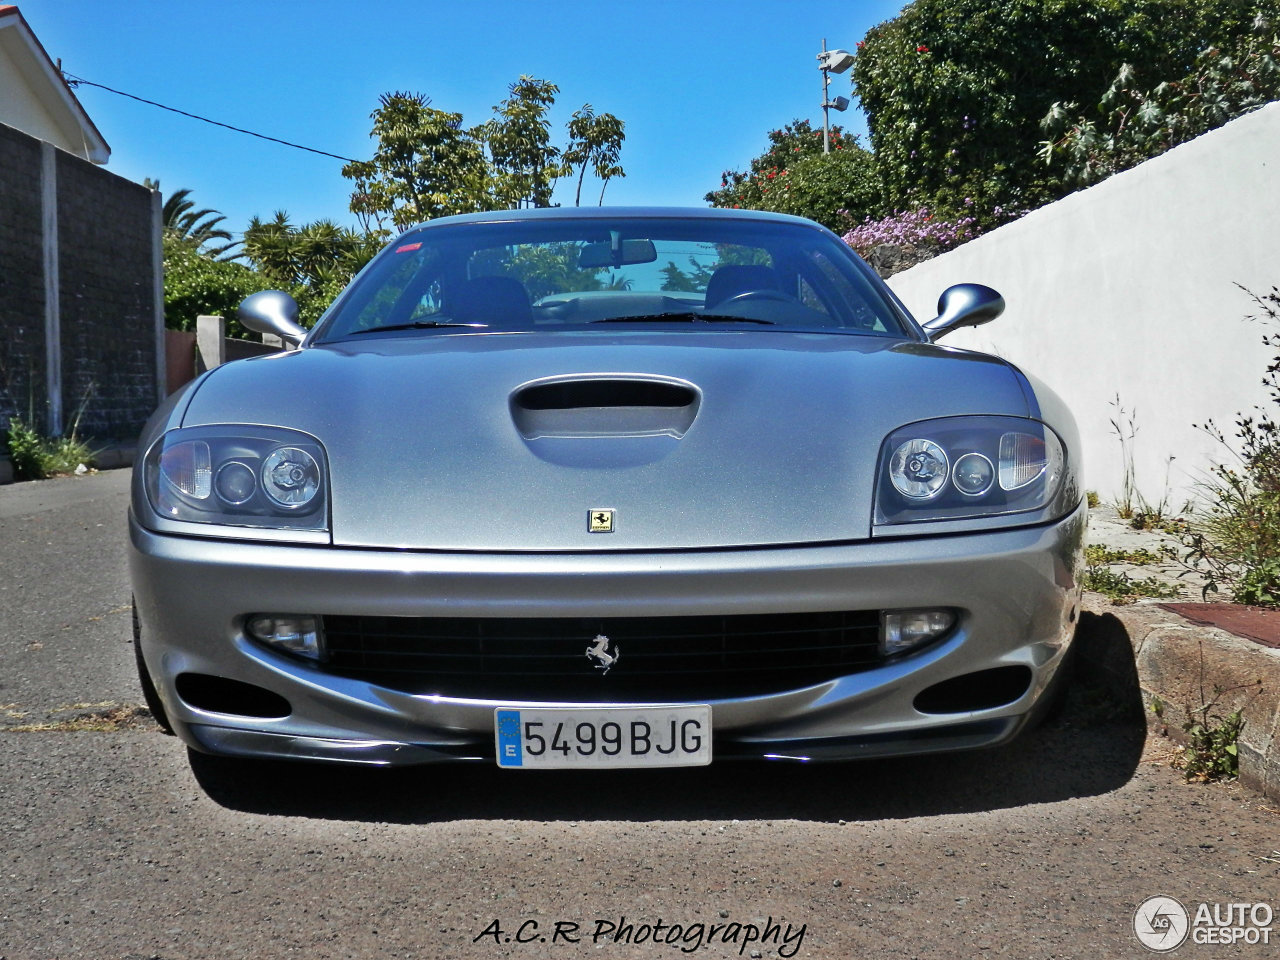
[[1054, 700], [149, 693]]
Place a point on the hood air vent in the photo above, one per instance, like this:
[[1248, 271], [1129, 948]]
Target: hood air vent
[[605, 421], [607, 406], [577, 394]]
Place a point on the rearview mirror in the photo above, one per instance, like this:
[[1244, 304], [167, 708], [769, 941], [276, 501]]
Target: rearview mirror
[[596, 256], [964, 305]]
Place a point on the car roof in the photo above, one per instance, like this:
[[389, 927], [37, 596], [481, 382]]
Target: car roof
[[613, 213]]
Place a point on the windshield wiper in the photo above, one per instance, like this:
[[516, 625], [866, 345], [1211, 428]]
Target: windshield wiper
[[421, 325], [688, 317]]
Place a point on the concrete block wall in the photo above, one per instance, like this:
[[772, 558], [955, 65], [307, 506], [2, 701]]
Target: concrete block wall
[[22, 304], [81, 293], [1132, 288], [106, 295]]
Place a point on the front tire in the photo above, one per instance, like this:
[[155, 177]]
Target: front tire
[[149, 693]]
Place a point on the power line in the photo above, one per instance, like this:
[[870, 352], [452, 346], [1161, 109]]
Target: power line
[[74, 81]]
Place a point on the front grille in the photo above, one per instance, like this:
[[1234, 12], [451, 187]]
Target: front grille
[[659, 658]]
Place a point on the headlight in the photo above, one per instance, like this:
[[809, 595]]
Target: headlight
[[246, 476], [961, 467]]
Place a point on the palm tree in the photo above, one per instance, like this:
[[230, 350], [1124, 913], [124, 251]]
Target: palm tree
[[271, 246], [309, 254], [200, 227]]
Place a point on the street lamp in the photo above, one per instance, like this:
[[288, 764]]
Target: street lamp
[[829, 62]]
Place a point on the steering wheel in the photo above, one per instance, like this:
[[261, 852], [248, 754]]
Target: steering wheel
[[763, 293]]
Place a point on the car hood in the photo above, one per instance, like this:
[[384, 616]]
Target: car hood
[[693, 439]]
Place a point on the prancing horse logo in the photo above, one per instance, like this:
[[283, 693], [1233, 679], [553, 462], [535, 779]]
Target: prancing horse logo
[[599, 651]]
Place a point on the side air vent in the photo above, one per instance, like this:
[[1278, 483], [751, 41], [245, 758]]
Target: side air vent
[[223, 695]]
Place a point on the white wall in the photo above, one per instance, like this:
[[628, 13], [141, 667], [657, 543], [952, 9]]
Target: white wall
[[21, 108], [33, 97], [1129, 288]]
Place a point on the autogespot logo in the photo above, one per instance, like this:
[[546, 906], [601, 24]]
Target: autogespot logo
[[1161, 924]]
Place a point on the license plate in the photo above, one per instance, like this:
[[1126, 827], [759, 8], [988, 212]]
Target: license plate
[[546, 738]]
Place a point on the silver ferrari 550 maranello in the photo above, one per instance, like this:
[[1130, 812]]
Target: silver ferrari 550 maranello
[[607, 488]]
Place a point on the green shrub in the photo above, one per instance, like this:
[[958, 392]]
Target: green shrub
[[24, 450], [36, 458], [1236, 74], [954, 90], [1236, 542], [794, 176]]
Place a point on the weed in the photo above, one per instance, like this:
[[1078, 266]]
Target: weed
[[1175, 526], [1091, 498], [1132, 505], [35, 457], [1096, 554], [1126, 430], [25, 449], [1237, 542], [1212, 751], [1121, 588]]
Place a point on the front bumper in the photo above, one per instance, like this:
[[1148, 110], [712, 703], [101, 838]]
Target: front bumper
[[1017, 590]]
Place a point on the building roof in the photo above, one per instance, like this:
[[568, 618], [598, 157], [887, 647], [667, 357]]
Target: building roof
[[19, 45]]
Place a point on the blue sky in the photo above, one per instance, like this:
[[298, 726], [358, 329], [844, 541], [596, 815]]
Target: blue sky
[[699, 83]]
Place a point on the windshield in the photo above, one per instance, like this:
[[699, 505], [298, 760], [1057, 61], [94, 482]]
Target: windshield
[[556, 274]]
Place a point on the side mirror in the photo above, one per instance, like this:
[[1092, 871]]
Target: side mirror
[[272, 311], [964, 305]]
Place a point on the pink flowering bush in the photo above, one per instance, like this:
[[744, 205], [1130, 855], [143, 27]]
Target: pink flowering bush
[[911, 228]]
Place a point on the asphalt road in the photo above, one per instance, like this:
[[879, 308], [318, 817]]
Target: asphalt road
[[116, 844]]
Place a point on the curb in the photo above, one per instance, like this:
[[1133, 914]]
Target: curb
[[115, 456], [111, 457], [1183, 664]]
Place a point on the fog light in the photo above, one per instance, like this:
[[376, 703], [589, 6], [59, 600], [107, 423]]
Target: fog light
[[301, 636], [903, 630]]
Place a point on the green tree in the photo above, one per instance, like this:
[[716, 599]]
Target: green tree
[[183, 221], [313, 262], [595, 140], [428, 165], [954, 89], [195, 284], [794, 176], [425, 166], [693, 280], [1129, 125], [525, 162]]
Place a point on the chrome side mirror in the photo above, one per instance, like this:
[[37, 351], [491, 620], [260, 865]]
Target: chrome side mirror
[[964, 305], [272, 311]]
